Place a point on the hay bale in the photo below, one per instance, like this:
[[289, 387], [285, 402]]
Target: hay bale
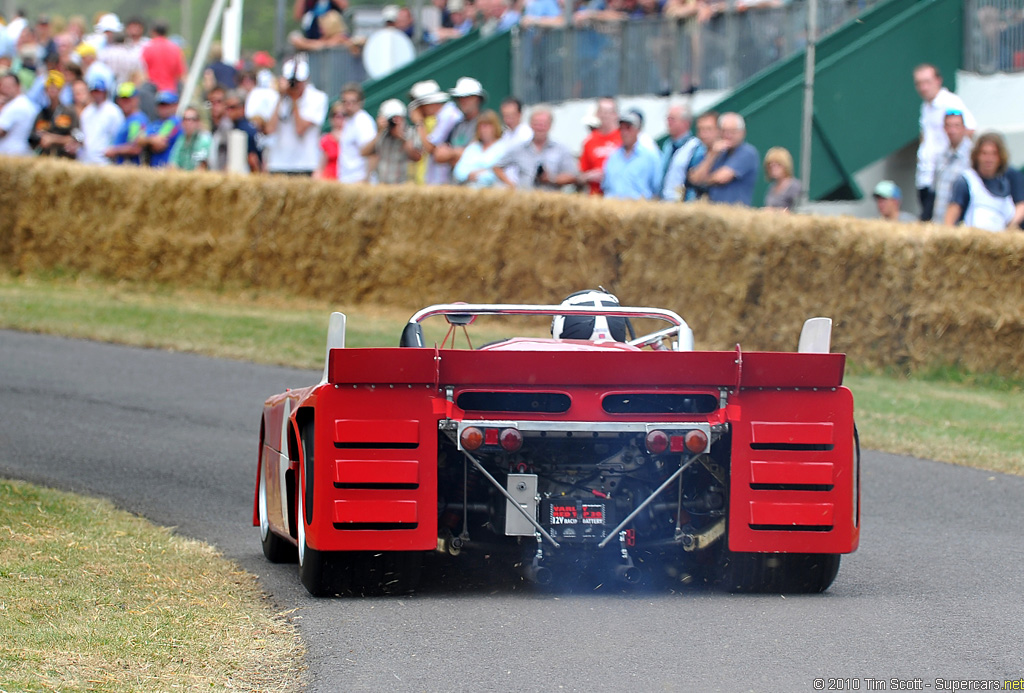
[[906, 296]]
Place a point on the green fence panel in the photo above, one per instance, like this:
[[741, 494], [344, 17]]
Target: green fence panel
[[485, 59], [865, 105]]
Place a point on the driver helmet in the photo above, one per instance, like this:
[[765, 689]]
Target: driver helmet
[[591, 327]]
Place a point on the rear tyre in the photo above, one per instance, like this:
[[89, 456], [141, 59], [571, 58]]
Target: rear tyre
[[314, 566], [793, 573], [275, 548]]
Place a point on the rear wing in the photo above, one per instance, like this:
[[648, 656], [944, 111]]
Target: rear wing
[[725, 369]]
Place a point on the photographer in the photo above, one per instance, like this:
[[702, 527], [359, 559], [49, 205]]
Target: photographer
[[395, 145], [295, 123], [541, 163]]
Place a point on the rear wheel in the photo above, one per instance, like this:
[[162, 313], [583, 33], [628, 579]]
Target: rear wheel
[[324, 573], [314, 566], [275, 548], [794, 573]]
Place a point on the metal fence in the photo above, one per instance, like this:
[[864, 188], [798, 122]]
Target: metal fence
[[993, 36], [662, 55], [640, 56]]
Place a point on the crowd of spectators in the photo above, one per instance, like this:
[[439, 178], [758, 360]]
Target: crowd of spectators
[[111, 97]]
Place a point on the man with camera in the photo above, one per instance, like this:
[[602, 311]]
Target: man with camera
[[395, 145], [294, 125], [357, 131], [541, 163]]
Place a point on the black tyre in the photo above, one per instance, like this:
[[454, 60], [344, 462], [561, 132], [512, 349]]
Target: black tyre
[[275, 548], [314, 566], [793, 573]]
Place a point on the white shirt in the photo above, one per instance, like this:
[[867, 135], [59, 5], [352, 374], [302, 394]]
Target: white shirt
[[933, 133], [99, 127], [261, 102], [17, 119], [289, 151], [513, 138], [359, 130], [447, 118], [985, 210]]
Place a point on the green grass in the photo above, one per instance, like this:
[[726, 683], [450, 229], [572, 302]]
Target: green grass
[[96, 599], [948, 415]]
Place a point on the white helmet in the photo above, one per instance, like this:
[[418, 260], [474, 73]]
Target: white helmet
[[591, 327]]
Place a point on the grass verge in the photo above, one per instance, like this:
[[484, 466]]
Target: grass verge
[[93, 598], [949, 416]]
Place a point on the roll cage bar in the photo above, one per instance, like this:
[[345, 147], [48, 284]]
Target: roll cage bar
[[462, 314]]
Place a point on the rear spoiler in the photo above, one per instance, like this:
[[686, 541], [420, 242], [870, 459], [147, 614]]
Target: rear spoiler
[[730, 369]]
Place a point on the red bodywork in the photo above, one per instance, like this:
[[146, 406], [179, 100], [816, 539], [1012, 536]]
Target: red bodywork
[[793, 479]]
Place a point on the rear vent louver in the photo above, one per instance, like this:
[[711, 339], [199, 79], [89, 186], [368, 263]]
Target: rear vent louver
[[522, 402], [659, 403]]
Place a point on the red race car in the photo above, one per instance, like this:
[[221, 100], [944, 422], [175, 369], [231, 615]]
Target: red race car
[[593, 449]]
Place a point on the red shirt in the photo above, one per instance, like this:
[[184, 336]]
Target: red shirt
[[165, 63], [329, 145], [596, 148]]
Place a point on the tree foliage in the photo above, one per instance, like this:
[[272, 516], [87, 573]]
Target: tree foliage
[[258, 21]]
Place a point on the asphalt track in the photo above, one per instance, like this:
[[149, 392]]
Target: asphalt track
[[934, 595]]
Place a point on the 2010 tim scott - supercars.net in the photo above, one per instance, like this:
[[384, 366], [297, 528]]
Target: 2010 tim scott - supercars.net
[[741, 467]]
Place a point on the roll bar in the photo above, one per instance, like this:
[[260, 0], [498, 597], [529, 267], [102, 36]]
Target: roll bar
[[412, 335]]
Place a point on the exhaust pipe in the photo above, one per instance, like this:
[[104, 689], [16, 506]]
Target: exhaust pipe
[[539, 574], [627, 573]]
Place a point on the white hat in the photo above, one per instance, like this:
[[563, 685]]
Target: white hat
[[467, 86], [427, 91], [390, 13], [109, 22], [591, 120], [296, 69], [391, 108]]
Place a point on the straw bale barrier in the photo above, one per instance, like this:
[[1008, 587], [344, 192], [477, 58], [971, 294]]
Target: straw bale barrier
[[906, 296]]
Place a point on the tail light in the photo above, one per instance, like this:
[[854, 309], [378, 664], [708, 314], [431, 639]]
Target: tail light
[[657, 442], [696, 441], [511, 439], [471, 438]]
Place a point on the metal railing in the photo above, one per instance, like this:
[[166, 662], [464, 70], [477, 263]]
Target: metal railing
[[639, 56], [663, 55], [993, 36]]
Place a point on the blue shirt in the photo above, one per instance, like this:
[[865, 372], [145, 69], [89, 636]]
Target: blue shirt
[[633, 176], [744, 161], [542, 8], [171, 129], [134, 126]]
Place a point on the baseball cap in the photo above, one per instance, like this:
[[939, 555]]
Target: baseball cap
[[166, 97], [390, 13], [296, 69], [262, 59], [126, 90], [631, 117], [55, 78], [391, 108], [888, 190], [98, 84], [109, 22]]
